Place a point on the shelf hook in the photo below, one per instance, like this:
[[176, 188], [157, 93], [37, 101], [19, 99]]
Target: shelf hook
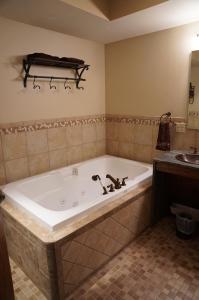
[[66, 86], [50, 83], [35, 86]]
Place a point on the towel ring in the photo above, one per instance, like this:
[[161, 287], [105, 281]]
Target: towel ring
[[166, 117]]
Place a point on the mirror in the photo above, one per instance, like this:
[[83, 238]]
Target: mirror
[[193, 102]]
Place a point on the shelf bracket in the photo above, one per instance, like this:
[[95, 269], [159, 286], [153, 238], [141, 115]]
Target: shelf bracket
[[26, 67], [78, 76]]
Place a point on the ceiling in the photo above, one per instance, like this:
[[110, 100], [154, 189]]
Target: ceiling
[[112, 9], [104, 21]]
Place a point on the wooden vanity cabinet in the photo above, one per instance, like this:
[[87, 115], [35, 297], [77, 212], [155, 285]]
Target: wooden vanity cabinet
[[173, 183]]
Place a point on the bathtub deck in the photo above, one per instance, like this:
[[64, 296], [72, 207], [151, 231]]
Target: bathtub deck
[[157, 265]]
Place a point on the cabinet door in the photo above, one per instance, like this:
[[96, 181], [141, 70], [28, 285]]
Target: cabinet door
[[6, 286]]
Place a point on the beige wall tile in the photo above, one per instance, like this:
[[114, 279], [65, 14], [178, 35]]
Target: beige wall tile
[[74, 136], [65, 247], [114, 229], [112, 147], [100, 131], [97, 259], [143, 153], [74, 154], [68, 288], [112, 131], [77, 274], [100, 148], [185, 140], [39, 163], [84, 259], [56, 138], [2, 174], [143, 135], [58, 158], [14, 146], [155, 130], [126, 133], [72, 252], [67, 266], [1, 150], [89, 133], [112, 247], [37, 142], [81, 238], [125, 150], [88, 151], [97, 240], [16, 169]]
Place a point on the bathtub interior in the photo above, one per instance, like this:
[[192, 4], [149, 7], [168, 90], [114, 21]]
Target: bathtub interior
[[60, 185]]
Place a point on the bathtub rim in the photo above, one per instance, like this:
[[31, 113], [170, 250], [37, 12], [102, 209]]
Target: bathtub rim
[[41, 212]]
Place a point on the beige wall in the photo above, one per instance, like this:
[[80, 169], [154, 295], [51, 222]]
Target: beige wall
[[20, 104], [148, 75]]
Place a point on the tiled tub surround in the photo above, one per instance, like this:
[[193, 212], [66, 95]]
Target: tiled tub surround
[[59, 261], [135, 137], [30, 148]]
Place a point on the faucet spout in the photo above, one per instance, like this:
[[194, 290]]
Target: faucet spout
[[195, 150], [115, 181]]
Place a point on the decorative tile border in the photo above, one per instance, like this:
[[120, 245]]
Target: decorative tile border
[[138, 120], [134, 120], [46, 124], [28, 126]]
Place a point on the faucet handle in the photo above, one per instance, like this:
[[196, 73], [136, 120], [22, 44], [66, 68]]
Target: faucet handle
[[105, 191], [111, 187], [194, 149], [123, 181], [118, 183]]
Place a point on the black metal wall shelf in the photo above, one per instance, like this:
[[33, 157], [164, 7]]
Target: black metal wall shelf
[[78, 68]]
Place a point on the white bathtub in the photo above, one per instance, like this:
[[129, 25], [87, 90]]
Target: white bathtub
[[57, 197]]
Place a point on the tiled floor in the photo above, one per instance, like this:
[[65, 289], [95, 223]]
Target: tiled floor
[[23, 287], [156, 266]]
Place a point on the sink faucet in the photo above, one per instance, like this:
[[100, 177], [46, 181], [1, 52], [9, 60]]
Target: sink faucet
[[115, 181], [195, 150]]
